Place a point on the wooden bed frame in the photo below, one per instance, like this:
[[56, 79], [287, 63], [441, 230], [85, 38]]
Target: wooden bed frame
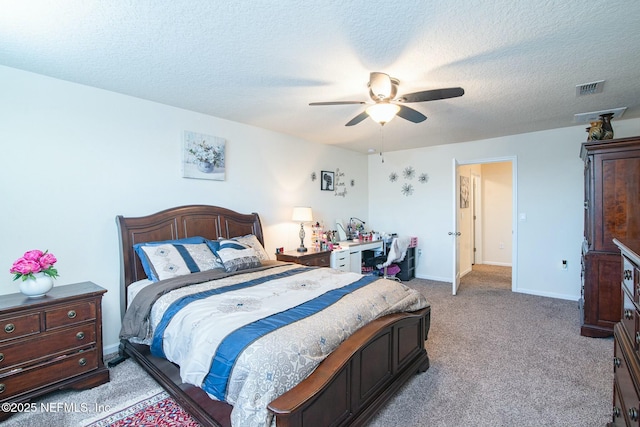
[[347, 388]]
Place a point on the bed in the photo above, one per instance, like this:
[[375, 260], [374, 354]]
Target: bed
[[346, 388]]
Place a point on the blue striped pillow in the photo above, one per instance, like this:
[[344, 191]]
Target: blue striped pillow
[[167, 260], [233, 255]]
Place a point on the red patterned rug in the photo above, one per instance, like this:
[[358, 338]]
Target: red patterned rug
[[159, 410]]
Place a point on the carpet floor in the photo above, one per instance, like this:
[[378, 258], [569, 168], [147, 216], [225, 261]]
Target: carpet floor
[[498, 358]]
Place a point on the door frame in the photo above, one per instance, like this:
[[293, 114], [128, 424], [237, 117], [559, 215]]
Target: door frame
[[455, 282], [514, 215], [476, 231]]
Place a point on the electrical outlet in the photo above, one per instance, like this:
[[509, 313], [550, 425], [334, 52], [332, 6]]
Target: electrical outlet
[[419, 252], [564, 264]]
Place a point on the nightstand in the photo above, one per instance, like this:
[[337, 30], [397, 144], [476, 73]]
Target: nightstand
[[312, 257], [51, 343]]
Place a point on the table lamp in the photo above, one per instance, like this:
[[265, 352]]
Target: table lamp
[[302, 214]]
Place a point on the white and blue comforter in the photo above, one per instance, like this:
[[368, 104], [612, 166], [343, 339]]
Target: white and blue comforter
[[246, 339]]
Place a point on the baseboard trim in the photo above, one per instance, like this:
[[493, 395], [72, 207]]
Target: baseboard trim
[[549, 294]]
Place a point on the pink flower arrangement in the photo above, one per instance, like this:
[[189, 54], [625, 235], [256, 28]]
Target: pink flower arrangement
[[34, 261]]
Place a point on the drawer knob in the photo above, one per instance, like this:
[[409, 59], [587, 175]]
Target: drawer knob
[[82, 362], [80, 335], [2, 388], [71, 314], [1, 357], [616, 412], [628, 314], [616, 362], [637, 337], [633, 414], [9, 327]]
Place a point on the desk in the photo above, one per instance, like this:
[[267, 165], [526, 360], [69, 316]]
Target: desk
[[355, 249]]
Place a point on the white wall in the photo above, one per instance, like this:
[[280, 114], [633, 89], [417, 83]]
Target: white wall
[[74, 157], [497, 197], [549, 191]]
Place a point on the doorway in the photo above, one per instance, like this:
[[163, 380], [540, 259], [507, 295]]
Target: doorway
[[484, 217]]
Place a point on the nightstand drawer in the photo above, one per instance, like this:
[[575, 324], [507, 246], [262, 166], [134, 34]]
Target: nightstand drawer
[[70, 314], [19, 326], [311, 258], [47, 346], [321, 260], [42, 375]]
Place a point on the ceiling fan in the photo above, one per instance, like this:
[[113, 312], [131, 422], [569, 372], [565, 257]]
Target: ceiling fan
[[383, 90]]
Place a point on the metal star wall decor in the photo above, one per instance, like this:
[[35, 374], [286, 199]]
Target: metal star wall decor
[[409, 172], [407, 189]]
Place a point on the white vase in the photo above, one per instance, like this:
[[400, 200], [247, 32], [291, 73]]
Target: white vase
[[36, 287], [205, 167]]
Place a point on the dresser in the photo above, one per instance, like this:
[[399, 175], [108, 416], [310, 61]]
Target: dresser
[[611, 210], [626, 359], [51, 343], [312, 257]]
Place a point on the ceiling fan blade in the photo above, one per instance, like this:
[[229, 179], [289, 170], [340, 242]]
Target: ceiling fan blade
[[410, 114], [432, 95], [336, 103], [357, 119]]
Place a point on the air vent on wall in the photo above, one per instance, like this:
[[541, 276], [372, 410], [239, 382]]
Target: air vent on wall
[[595, 115], [589, 88]]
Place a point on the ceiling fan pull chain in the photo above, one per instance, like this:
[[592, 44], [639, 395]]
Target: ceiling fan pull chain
[[381, 143]]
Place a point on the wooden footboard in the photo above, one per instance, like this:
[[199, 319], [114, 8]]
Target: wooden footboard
[[354, 381], [347, 388]]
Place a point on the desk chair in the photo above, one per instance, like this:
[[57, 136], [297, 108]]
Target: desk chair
[[397, 252]]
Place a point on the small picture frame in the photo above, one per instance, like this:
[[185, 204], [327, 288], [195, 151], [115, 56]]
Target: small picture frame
[[327, 181], [464, 192]]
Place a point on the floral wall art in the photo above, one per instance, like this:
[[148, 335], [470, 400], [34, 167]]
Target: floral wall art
[[464, 192], [203, 156]]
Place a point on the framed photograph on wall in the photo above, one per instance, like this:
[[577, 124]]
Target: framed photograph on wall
[[464, 192], [203, 156], [327, 180]]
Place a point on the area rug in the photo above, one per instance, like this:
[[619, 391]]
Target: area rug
[[159, 410]]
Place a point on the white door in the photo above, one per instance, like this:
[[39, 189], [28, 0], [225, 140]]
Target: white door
[[455, 233]]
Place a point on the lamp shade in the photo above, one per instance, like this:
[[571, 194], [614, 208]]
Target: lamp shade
[[383, 112], [302, 214]]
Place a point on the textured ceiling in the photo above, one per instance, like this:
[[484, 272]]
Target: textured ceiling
[[261, 62]]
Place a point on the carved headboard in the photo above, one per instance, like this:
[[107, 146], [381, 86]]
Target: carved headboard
[[210, 222]]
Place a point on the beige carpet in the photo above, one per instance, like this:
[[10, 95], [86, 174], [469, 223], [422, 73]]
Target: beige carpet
[[487, 275], [500, 358]]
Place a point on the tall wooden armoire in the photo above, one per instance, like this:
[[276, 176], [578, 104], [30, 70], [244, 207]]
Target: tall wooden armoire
[[612, 210]]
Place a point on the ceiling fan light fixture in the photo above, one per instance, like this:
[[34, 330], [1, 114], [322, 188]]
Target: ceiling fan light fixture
[[383, 112]]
